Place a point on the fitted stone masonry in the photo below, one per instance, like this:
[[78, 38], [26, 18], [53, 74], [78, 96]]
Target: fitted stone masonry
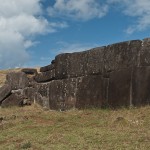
[[116, 75]]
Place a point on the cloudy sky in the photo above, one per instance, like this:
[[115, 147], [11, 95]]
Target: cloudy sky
[[32, 32]]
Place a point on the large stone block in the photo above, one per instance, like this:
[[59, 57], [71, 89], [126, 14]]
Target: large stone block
[[141, 86], [30, 71], [42, 94], [95, 62], [29, 93], [120, 86], [4, 92], [17, 80], [61, 66], [145, 53], [47, 68], [77, 64], [91, 92], [45, 76], [13, 100], [71, 65], [122, 55], [62, 94]]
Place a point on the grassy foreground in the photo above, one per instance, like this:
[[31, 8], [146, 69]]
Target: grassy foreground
[[32, 128]]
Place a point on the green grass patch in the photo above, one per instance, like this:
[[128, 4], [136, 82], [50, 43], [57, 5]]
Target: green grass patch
[[90, 129]]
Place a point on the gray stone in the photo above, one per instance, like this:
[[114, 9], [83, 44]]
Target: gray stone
[[119, 92], [141, 86], [47, 68], [13, 100], [42, 94], [17, 80], [29, 93], [145, 53], [4, 92], [77, 64], [121, 55], [45, 76], [62, 94], [30, 71], [91, 92], [61, 66], [95, 62]]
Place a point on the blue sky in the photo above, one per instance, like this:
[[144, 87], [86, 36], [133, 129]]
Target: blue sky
[[33, 32]]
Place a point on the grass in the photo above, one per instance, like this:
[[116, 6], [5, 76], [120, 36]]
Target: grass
[[91, 129]]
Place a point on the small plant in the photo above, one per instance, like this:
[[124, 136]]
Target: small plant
[[26, 145]]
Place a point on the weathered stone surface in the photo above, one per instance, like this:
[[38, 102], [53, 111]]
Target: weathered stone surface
[[45, 76], [95, 61], [29, 93], [120, 88], [47, 68], [62, 94], [77, 64], [61, 66], [13, 100], [83, 92], [141, 86], [42, 94], [30, 71], [4, 92], [91, 92], [17, 80], [121, 55], [145, 53]]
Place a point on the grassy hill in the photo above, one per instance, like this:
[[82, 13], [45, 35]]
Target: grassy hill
[[91, 129]]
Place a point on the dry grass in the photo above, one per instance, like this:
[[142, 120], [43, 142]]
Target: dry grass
[[33, 128], [94, 129]]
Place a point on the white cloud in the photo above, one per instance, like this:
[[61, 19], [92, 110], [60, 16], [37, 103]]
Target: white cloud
[[136, 8], [75, 9], [73, 47], [20, 22]]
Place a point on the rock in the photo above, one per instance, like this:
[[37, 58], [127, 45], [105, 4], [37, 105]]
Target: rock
[[4, 92], [53, 62], [121, 55], [77, 64], [145, 53], [42, 94], [119, 91], [91, 92], [79, 92], [29, 93], [61, 66], [47, 68], [45, 76], [62, 94], [29, 71], [13, 100], [17, 80], [141, 86], [95, 62]]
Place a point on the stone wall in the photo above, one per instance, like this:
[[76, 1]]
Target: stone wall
[[112, 76]]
